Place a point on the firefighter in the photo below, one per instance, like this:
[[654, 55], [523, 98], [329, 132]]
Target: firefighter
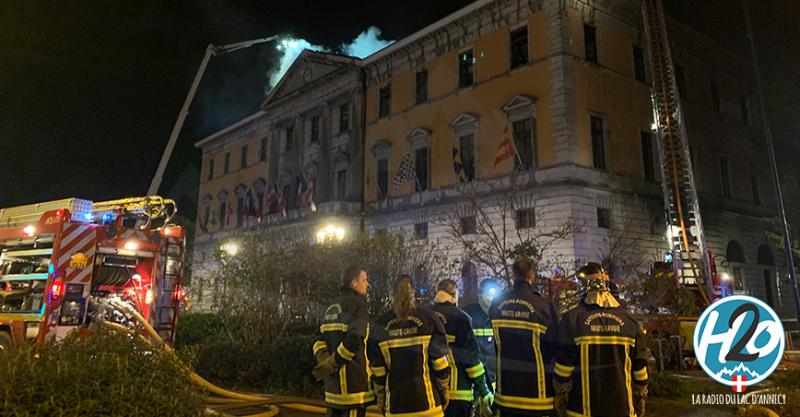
[[341, 349], [482, 326], [525, 330], [408, 359], [600, 367], [466, 370]]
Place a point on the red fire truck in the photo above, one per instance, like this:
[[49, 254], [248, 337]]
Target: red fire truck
[[60, 259]]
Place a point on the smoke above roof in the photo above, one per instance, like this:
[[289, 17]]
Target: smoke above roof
[[366, 43]]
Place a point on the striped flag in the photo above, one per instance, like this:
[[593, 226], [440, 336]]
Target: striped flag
[[405, 172], [506, 149], [309, 196], [458, 164]]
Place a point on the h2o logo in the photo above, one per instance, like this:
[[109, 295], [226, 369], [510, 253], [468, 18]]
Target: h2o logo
[[739, 341]]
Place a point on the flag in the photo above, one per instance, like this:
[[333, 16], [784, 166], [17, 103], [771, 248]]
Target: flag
[[271, 196], [309, 197], [282, 202], [506, 149], [458, 162], [302, 185], [405, 172], [229, 214]]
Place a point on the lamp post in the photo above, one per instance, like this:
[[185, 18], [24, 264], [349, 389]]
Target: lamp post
[[331, 233], [229, 251]]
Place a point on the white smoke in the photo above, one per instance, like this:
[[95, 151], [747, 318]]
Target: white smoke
[[365, 44]]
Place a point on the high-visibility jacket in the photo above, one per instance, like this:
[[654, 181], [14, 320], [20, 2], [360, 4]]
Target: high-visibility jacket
[[601, 352], [525, 330], [343, 333], [484, 335], [466, 368], [406, 356]]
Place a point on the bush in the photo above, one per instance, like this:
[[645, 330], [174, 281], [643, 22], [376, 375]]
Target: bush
[[102, 374], [281, 366]]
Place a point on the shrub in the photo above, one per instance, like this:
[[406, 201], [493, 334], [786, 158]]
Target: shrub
[[102, 374]]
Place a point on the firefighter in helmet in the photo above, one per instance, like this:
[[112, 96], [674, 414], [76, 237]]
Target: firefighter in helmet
[[600, 367], [466, 370], [340, 349], [525, 331], [408, 358], [482, 326]]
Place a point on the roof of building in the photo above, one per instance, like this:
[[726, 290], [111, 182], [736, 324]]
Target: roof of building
[[228, 129]]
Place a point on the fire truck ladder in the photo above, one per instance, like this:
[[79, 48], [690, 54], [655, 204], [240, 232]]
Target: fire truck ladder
[[153, 207], [685, 231], [170, 281]]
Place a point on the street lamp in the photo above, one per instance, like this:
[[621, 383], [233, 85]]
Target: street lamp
[[331, 233], [230, 248]]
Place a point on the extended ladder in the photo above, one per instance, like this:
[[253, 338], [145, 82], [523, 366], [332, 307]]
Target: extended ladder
[[685, 231], [170, 281]]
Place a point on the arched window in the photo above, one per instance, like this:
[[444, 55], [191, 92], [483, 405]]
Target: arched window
[[735, 255], [734, 252]]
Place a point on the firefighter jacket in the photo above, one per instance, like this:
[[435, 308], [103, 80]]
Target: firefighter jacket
[[405, 356], [466, 368], [482, 327], [343, 333], [600, 351], [525, 329]]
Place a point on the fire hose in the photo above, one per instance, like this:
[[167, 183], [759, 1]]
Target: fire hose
[[227, 398]]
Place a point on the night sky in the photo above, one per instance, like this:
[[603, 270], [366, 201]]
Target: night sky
[[89, 90]]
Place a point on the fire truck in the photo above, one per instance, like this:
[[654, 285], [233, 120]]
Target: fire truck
[[60, 259]]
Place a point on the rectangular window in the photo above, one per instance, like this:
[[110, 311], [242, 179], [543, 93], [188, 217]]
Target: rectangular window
[[210, 169], [525, 218], [384, 100], [243, 158], [289, 144], [598, 142], [314, 129], [604, 218], [421, 230], [523, 139], [638, 64], [744, 108], [467, 144], [421, 86], [519, 47], [754, 185], [725, 176], [262, 152], [466, 69], [680, 79], [383, 178], [715, 97], [590, 42], [344, 117], [468, 225], [341, 185], [648, 156], [422, 159], [227, 166]]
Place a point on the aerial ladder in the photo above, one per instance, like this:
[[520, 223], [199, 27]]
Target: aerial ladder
[[691, 260]]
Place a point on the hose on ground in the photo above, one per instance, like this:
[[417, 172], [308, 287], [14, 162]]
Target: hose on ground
[[226, 398]]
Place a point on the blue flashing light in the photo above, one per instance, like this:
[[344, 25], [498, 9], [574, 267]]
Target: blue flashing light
[[107, 218], [668, 257], [51, 269], [422, 290], [88, 216]]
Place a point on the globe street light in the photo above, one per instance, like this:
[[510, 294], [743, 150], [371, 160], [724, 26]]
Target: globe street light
[[331, 233], [230, 248]]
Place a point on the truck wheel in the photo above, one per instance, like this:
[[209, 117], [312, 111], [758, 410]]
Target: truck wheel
[[6, 344]]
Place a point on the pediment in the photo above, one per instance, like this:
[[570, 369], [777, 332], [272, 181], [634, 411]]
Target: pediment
[[307, 68]]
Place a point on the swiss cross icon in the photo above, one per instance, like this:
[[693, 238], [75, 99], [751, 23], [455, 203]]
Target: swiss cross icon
[[738, 385]]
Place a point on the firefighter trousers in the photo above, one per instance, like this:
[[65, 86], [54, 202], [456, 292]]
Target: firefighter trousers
[[458, 409], [347, 412]]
